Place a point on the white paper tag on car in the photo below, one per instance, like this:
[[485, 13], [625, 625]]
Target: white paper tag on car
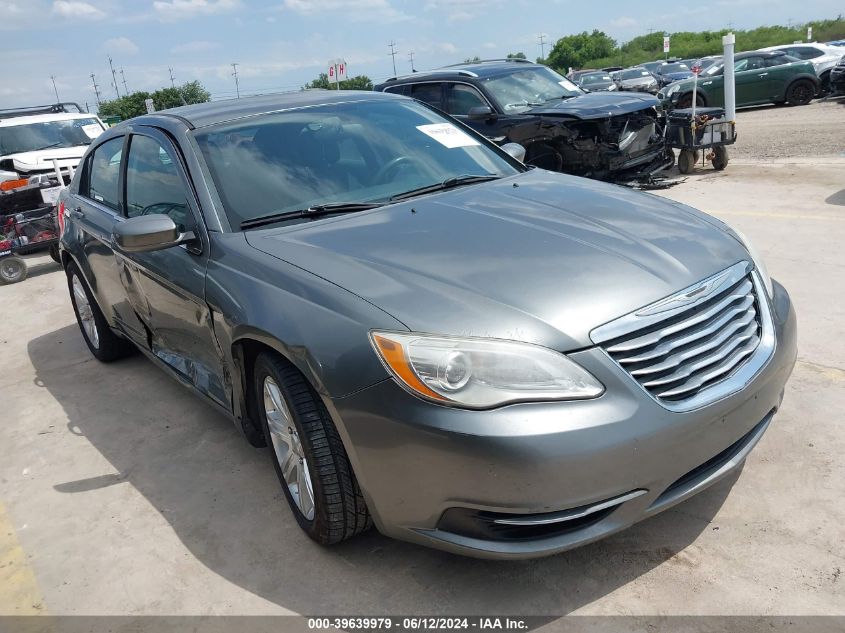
[[50, 195], [448, 135], [92, 131]]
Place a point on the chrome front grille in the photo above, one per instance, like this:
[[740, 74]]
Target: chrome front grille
[[682, 351]]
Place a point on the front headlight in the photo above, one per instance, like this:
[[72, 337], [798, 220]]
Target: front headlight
[[672, 89], [612, 87], [478, 373], [757, 258]]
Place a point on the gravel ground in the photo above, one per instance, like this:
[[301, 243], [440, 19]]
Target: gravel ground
[[771, 132]]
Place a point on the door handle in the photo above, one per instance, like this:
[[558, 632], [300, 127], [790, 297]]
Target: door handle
[[762, 74], [77, 213]]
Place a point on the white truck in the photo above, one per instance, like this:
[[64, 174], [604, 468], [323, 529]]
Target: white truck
[[32, 138], [40, 147]]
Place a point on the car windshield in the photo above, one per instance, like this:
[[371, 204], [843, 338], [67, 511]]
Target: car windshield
[[598, 78], [350, 153], [526, 88], [31, 137], [636, 73], [674, 68]]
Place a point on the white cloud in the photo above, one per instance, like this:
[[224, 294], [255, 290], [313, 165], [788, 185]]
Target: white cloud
[[623, 22], [76, 9], [178, 9], [120, 46], [352, 10], [196, 46]]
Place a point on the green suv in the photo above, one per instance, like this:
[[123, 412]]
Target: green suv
[[761, 77]]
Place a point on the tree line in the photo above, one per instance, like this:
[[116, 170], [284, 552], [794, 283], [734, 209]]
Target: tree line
[[133, 105], [598, 50]]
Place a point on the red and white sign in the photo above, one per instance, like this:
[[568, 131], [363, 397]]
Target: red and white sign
[[337, 70], [666, 44], [696, 67]]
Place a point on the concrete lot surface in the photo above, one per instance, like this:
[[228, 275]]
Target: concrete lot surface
[[121, 493]]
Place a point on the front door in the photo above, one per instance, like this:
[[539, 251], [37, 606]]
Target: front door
[[752, 81], [172, 280]]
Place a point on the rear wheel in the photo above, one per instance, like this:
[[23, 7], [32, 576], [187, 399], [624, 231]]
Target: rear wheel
[[308, 454], [104, 344], [800, 93], [12, 270]]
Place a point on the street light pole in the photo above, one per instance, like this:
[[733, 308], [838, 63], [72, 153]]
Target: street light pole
[[237, 84]]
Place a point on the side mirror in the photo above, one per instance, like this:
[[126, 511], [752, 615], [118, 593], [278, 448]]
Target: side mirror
[[481, 113], [146, 233], [514, 150]]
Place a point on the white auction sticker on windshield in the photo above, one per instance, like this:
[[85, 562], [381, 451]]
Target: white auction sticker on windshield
[[92, 131], [448, 135]]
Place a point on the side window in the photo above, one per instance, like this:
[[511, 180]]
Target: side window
[[805, 52], [463, 98], [153, 184], [427, 93], [103, 173], [397, 90]]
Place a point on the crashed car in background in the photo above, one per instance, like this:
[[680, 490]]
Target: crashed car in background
[[602, 135], [39, 147]]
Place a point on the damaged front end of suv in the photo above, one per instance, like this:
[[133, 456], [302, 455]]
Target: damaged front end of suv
[[608, 139], [613, 136]]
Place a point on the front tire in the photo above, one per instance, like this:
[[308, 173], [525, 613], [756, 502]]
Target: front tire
[[104, 344], [686, 101], [308, 454], [720, 158], [800, 93], [686, 161]]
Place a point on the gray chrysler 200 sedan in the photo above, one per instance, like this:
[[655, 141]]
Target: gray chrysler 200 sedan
[[473, 355]]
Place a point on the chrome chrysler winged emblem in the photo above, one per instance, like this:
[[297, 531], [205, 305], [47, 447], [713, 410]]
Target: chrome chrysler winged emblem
[[689, 295]]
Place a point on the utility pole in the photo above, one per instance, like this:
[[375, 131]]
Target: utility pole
[[172, 81], [123, 77], [237, 85], [114, 78], [542, 39], [392, 46], [411, 59], [53, 79], [96, 90]]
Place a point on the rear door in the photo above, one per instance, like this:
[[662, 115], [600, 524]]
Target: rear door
[[93, 211], [172, 281]]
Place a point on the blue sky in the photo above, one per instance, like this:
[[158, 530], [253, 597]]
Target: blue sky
[[281, 44]]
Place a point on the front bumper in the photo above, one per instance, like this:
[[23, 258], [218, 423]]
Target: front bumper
[[415, 461]]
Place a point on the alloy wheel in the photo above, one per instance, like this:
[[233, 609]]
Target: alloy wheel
[[288, 448], [86, 313]]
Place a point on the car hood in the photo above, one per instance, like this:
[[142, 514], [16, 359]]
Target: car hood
[[542, 257], [43, 159], [597, 105]]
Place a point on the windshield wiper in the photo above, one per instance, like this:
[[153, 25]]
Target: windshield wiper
[[449, 183], [41, 149], [311, 212]]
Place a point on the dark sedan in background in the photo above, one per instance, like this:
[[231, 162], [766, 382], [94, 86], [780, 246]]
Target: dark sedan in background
[[596, 82], [476, 356]]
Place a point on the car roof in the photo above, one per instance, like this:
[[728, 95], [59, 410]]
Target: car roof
[[474, 70], [213, 112], [44, 118]]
